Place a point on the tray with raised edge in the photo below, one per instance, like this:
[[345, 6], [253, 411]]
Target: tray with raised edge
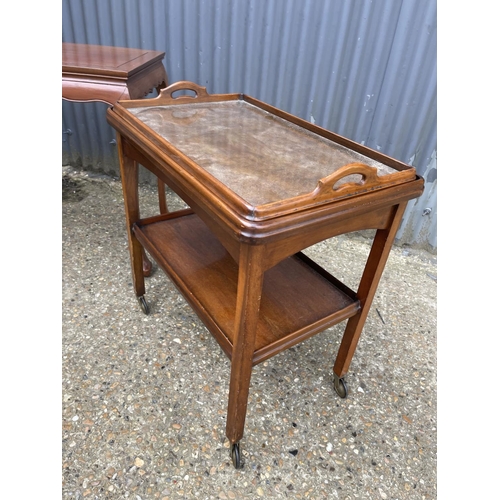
[[261, 161]]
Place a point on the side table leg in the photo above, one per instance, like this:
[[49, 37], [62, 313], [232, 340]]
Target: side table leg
[[129, 172], [250, 282], [374, 267]]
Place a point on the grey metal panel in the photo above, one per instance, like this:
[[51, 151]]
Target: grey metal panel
[[365, 69]]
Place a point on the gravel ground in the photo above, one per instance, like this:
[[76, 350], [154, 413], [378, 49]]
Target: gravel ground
[[144, 397]]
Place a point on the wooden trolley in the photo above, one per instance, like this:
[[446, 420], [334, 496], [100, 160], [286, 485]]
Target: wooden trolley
[[262, 185]]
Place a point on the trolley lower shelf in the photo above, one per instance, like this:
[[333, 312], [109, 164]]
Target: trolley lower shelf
[[299, 298]]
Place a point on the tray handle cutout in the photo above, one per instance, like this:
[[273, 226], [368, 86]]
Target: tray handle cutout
[[166, 94], [369, 179]]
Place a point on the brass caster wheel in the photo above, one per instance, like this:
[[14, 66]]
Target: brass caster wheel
[[340, 386], [144, 305], [236, 456]]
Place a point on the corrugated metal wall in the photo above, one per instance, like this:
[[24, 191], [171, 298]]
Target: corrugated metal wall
[[365, 69]]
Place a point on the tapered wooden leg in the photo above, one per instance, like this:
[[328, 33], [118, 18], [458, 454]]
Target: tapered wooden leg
[[374, 267], [146, 264], [161, 185], [129, 171], [250, 281], [162, 200]]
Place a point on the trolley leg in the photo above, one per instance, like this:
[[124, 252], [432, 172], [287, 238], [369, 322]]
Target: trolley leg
[[146, 264], [129, 171], [374, 267], [250, 281], [162, 200]]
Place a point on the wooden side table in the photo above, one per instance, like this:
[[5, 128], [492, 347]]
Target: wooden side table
[[108, 74], [98, 73], [262, 185]]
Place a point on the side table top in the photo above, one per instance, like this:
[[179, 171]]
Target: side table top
[[120, 62]]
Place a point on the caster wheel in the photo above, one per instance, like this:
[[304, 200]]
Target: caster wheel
[[340, 386], [144, 305], [235, 456]]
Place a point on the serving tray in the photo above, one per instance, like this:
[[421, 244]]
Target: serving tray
[[263, 161]]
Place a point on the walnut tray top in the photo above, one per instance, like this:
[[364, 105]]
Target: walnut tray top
[[267, 161]]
